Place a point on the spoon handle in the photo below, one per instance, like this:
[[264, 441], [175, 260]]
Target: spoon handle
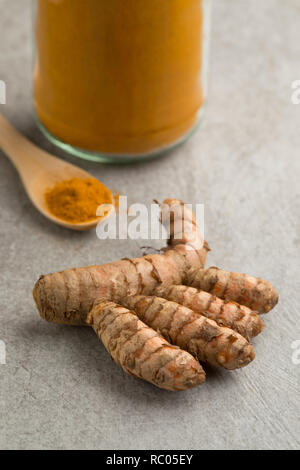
[[17, 148]]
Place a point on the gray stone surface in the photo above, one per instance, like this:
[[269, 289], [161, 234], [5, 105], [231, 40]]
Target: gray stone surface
[[59, 388]]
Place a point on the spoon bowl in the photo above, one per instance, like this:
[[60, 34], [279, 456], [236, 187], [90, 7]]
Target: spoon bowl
[[40, 171]]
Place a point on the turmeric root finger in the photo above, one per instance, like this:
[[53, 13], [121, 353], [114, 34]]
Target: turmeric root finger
[[183, 228], [255, 293], [141, 352], [237, 317], [202, 337], [67, 297]]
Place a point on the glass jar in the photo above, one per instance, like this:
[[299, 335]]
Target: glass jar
[[119, 80]]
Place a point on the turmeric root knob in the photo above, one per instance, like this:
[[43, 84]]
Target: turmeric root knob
[[230, 314], [255, 293], [198, 335], [141, 352]]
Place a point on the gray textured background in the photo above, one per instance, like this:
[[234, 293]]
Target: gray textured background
[[60, 388]]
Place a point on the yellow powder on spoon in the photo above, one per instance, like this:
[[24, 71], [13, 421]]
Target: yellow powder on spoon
[[76, 200]]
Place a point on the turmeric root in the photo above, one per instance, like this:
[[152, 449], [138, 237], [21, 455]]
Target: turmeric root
[[207, 312], [237, 317], [67, 297], [202, 337], [183, 228], [255, 293], [142, 352]]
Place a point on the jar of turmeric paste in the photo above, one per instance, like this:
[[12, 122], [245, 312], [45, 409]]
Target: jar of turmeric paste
[[120, 80]]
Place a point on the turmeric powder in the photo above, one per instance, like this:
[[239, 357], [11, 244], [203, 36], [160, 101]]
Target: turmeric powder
[[143, 72], [76, 200]]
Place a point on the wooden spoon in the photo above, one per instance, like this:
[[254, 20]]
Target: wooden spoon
[[39, 171]]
